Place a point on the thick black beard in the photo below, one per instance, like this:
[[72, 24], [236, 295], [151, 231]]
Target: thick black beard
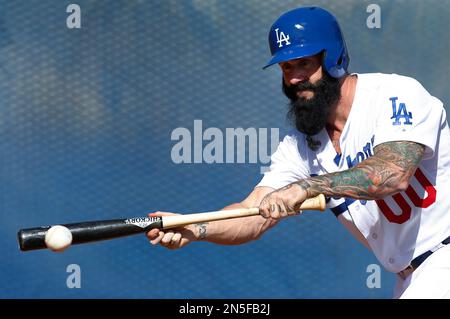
[[310, 115]]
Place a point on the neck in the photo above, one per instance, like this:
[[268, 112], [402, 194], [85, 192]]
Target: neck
[[339, 114]]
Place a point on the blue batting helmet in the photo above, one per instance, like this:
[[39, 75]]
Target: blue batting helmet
[[305, 32]]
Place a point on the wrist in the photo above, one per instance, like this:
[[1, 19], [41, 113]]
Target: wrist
[[301, 193], [200, 231], [306, 190]]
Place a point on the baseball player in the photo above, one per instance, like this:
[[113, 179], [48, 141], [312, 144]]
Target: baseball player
[[377, 145]]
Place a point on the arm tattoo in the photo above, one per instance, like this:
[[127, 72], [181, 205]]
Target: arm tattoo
[[201, 230], [376, 177]]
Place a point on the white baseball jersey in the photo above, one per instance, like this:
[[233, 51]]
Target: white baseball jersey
[[386, 107]]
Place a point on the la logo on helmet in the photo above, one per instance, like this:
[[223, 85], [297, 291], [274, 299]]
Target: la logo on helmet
[[281, 37]]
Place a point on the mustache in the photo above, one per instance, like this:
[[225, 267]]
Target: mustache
[[292, 90], [304, 86]]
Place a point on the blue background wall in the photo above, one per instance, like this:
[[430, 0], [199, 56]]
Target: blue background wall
[[86, 117]]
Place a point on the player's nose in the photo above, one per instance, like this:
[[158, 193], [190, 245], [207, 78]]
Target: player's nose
[[297, 78]]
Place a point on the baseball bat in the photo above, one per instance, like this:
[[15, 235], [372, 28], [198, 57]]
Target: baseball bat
[[91, 231]]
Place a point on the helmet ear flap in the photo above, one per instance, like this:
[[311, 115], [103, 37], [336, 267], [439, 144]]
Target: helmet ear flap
[[324, 64], [343, 61], [337, 67], [324, 56]]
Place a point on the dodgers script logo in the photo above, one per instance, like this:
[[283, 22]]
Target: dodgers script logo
[[281, 37], [400, 113], [367, 151]]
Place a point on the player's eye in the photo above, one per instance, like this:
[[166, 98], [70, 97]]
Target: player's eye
[[286, 67], [303, 63]]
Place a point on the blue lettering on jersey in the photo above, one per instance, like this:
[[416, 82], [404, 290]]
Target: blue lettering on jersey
[[401, 113], [337, 159], [366, 152]]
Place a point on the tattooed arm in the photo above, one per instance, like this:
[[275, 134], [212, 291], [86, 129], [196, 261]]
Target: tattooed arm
[[225, 232], [386, 173]]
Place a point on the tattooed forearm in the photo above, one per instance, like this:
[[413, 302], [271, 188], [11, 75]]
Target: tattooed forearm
[[385, 173], [201, 228]]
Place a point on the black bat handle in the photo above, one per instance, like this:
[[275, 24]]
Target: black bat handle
[[34, 238]]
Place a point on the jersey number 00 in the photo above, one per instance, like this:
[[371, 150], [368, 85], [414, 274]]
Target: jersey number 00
[[413, 196]]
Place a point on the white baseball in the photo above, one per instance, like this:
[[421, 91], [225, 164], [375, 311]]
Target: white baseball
[[58, 238]]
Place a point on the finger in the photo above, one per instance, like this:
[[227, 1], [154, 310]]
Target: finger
[[274, 213], [157, 239], [183, 242], [153, 234], [158, 213], [291, 211], [176, 239], [264, 210], [282, 209], [167, 238]]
